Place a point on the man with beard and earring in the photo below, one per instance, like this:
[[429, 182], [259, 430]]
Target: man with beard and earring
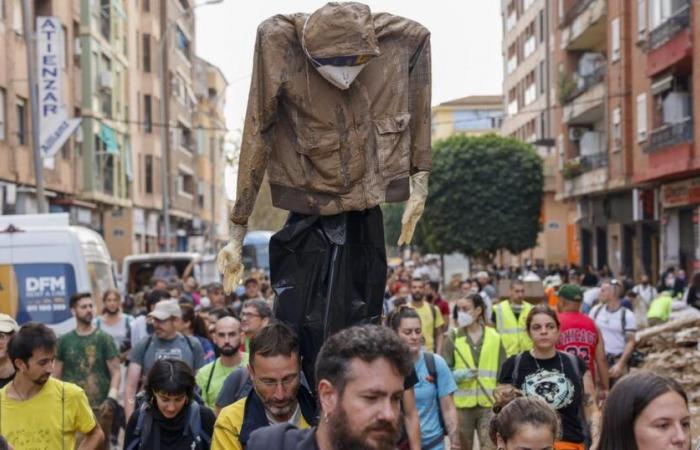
[[278, 395], [227, 339], [87, 356], [360, 373], [37, 410]]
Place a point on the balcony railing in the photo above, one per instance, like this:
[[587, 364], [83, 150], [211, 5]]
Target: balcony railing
[[585, 82], [680, 20], [572, 13], [576, 166], [671, 134]]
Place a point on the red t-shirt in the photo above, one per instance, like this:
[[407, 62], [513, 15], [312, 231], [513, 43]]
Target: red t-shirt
[[578, 335], [443, 306]]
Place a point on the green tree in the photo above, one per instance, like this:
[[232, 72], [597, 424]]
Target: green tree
[[485, 194]]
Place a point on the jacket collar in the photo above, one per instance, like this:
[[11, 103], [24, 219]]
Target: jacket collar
[[254, 416]]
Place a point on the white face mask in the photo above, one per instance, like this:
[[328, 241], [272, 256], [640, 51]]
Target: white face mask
[[464, 319], [340, 76]]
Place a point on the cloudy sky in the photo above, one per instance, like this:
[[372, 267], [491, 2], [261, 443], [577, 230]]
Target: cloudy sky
[[466, 43]]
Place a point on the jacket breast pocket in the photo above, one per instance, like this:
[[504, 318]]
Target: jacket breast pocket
[[320, 160], [394, 144]]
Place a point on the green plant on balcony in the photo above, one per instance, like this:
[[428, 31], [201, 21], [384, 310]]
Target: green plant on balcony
[[572, 168], [567, 87]]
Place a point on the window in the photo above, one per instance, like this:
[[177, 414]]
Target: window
[[2, 9], [146, 53], [21, 121], [105, 18], [185, 140], [615, 37], [641, 117], [200, 194], [641, 18], [185, 184], [147, 114], [146, 5], [148, 173], [542, 26], [542, 77], [2, 113], [616, 127], [527, 4], [182, 42], [17, 24]]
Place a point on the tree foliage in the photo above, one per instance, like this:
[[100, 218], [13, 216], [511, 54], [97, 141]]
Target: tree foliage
[[485, 194]]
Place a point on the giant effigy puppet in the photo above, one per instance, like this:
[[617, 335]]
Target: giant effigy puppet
[[339, 117]]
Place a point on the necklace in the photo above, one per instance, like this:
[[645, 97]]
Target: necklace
[[19, 394], [539, 368]]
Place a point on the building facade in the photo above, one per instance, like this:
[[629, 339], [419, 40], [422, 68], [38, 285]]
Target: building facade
[[111, 173], [627, 157], [471, 116], [528, 96]]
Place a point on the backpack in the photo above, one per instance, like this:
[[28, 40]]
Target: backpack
[[429, 359], [598, 308], [188, 339], [144, 427]]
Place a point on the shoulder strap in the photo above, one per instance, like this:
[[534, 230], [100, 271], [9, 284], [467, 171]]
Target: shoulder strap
[[516, 368], [149, 341], [574, 363], [211, 375], [195, 425], [623, 320], [596, 311], [430, 365]]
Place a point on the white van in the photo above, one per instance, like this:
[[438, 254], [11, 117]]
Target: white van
[[43, 261], [138, 270]]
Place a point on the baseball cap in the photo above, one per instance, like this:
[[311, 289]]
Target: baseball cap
[[166, 309], [7, 324], [571, 292]]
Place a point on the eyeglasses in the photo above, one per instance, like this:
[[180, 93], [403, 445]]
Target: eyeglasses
[[248, 315], [285, 382]]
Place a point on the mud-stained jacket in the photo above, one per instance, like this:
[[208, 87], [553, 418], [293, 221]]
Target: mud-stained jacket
[[328, 150]]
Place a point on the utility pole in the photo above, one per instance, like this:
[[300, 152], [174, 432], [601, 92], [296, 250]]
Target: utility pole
[[30, 43]]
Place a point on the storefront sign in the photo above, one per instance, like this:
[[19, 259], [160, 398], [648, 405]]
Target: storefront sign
[[681, 193]]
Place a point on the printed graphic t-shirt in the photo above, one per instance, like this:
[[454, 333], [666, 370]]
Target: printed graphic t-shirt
[[85, 362], [148, 351], [555, 381], [47, 421]]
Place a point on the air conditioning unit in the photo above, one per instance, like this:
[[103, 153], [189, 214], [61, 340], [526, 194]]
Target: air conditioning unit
[[104, 80], [77, 47], [576, 133]]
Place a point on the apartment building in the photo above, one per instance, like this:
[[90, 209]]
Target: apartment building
[[472, 116], [627, 156], [528, 95], [210, 123]]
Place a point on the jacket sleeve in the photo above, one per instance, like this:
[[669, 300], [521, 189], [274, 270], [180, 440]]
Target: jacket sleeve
[[419, 105], [258, 130]]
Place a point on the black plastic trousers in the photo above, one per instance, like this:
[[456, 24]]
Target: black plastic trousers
[[329, 273]]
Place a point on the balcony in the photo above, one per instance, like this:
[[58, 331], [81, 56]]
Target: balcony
[[671, 45], [671, 134], [586, 82], [584, 98], [584, 26], [680, 20], [585, 174]]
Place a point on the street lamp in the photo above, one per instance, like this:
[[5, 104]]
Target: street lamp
[[164, 143]]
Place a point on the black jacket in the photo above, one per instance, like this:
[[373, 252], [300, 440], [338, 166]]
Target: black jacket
[[282, 437]]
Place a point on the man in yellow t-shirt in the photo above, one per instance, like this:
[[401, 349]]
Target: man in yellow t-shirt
[[430, 317], [36, 410]]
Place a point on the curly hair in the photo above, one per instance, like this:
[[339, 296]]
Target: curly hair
[[367, 343]]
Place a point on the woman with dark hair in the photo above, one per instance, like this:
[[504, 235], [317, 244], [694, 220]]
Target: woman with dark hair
[[522, 422], [194, 325], [561, 379], [475, 354], [436, 407], [646, 411], [170, 416]]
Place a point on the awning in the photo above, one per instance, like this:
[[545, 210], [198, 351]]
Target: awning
[[108, 136], [662, 85]]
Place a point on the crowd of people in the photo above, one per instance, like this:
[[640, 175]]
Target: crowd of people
[[190, 368]]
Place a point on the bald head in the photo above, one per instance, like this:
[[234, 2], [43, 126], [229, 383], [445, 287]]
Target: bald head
[[227, 335]]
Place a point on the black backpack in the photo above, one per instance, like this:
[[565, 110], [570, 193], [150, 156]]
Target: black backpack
[[144, 427]]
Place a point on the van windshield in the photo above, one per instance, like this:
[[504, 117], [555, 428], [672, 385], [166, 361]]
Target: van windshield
[[37, 292]]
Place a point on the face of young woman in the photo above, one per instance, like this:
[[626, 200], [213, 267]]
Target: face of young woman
[[529, 437], [664, 424], [170, 404], [411, 333], [543, 331]]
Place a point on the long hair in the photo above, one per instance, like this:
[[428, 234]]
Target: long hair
[[627, 399]]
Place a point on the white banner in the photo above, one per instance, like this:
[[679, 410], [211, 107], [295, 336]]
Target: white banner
[[55, 126]]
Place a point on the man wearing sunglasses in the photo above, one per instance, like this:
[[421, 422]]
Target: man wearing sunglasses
[[277, 395], [8, 327]]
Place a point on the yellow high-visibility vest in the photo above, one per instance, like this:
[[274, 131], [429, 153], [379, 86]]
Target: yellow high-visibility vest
[[469, 394], [512, 331]]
